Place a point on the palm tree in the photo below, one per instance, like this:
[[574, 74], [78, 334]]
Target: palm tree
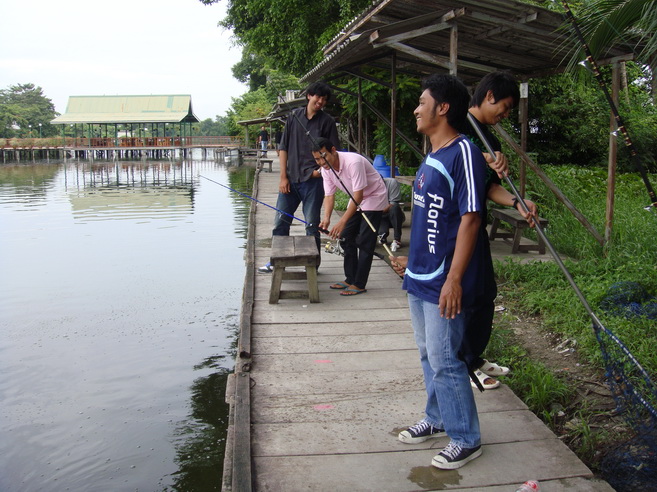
[[630, 22]]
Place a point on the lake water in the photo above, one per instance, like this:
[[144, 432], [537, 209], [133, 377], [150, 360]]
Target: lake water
[[119, 308]]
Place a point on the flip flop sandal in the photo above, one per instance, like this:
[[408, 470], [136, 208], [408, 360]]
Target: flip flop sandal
[[339, 286], [483, 378], [492, 369], [352, 292]]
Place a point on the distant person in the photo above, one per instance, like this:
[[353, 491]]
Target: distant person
[[443, 270], [300, 178], [355, 175], [263, 138], [494, 97], [277, 140], [393, 215]]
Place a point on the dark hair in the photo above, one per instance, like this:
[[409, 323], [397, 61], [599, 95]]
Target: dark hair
[[320, 89], [449, 89], [322, 143], [501, 84]]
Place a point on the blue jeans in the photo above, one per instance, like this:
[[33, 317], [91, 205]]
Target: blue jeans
[[309, 193], [450, 402]]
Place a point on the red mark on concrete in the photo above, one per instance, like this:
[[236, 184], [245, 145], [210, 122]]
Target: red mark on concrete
[[323, 407]]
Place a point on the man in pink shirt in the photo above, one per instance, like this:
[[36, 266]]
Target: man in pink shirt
[[356, 176]]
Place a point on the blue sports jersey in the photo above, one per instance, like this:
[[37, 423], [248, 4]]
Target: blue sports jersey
[[448, 184]]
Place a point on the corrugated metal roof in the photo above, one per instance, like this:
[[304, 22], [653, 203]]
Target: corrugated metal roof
[[173, 108], [491, 35]]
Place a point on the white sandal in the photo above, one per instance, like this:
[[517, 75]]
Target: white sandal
[[493, 369], [482, 379]]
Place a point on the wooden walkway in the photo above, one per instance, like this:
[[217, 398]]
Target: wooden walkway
[[320, 392]]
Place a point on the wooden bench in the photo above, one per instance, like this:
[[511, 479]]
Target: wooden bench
[[262, 161], [518, 223], [288, 251]]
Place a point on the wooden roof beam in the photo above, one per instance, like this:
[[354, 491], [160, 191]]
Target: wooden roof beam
[[530, 17], [512, 24], [379, 38], [441, 61]]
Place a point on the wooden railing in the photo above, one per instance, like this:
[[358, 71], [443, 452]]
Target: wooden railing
[[122, 142]]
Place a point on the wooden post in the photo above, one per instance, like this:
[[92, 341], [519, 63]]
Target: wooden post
[[393, 113], [523, 115], [360, 116], [453, 49], [613, 153]]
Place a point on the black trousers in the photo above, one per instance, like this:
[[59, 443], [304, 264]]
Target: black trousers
[[394, 218], [359, 244], [480, 324]]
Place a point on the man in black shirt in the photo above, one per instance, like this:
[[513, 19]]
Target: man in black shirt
[[494, 97], [263, 137], [300, 180]]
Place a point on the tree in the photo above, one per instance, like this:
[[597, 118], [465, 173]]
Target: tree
[[289, 33], [23, 105], [250, 70], [634, 22]]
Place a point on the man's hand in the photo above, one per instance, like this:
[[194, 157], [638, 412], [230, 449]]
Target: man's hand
[[398, 264], [284, 185], [337, 229], [324, 224], [450, 298], [499, 164], [533, 212]]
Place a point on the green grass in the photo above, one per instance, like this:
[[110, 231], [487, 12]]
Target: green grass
[[542, 289]]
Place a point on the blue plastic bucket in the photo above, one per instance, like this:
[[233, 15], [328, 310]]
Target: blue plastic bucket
[[382, 167]]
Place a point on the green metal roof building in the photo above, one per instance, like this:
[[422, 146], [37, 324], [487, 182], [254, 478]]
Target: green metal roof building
[[176, 108], [155, 115]]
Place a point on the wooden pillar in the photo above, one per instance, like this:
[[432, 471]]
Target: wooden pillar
[[393, 113], [453, 49], [360, 116], [523, 116], [613, 151]]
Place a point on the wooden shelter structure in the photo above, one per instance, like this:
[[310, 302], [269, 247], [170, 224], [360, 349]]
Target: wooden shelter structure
[[140, 118], [467, 38]]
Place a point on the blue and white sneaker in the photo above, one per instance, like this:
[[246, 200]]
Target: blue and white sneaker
[[454, 456], [420, 432], [267, 268]]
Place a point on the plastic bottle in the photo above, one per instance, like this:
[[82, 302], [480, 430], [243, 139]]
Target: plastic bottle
[[529, 486]]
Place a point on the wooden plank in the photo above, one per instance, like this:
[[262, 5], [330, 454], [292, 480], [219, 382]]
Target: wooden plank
[[406, 406], [380, 435], [242, 475], [410, 470]]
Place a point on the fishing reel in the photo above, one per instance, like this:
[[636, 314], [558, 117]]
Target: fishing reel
[[334, 247]]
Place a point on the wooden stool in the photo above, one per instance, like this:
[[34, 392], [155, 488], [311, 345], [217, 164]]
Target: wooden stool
[[294, 251], [518, 223], [262, 161]]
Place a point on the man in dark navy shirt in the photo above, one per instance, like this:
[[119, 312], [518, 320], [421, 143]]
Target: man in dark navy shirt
[[442, 273]]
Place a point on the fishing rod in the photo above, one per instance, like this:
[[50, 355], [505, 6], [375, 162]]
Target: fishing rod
[[598, 327], [323, 155], [538, 228], [636, 159], [262, 203]]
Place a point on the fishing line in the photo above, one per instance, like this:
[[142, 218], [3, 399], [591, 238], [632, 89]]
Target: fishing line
[[619, 121], [261, 203]]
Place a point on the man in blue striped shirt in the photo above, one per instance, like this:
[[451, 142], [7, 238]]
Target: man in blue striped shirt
[[442, 273]]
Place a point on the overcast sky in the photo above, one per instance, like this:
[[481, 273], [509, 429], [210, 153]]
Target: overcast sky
[[120, 47]]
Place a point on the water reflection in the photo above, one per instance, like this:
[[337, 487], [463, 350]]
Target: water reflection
[[119, 307], [102, 191]]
